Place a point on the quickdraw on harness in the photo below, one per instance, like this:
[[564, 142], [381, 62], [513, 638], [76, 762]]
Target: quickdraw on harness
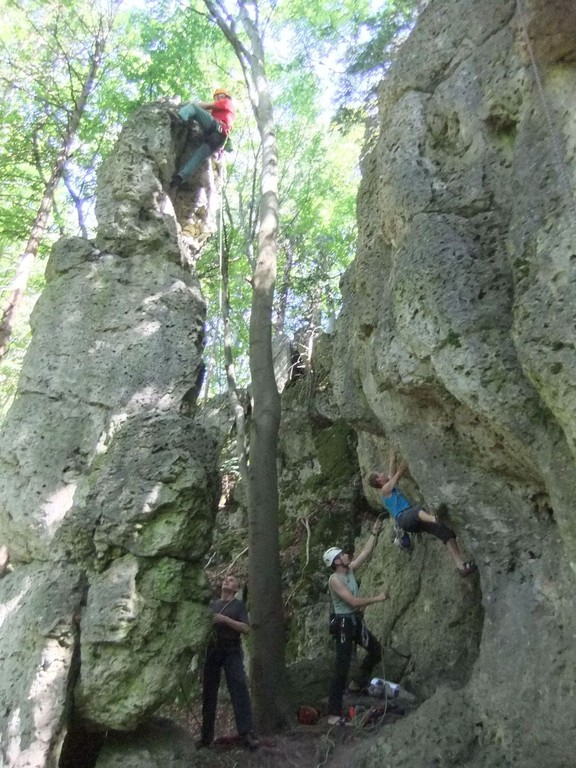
[[401, 538], [339, 623]]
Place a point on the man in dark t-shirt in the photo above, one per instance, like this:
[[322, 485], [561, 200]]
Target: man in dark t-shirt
[[230, 620]]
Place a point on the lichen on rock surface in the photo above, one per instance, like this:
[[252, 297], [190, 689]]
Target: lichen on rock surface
[[137, 210], [458, 319], [108, 482]]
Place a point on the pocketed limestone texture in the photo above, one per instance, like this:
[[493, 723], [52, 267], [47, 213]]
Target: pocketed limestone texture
[[457, 338], [108, 483]]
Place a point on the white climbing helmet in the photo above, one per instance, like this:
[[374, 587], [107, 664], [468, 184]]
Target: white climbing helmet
[[330, 555]]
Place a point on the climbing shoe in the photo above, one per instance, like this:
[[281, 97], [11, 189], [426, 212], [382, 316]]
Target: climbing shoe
[[249, 740], [176, 182], [402, 540]]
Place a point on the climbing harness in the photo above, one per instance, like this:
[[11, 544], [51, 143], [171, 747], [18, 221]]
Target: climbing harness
[[401, 538]]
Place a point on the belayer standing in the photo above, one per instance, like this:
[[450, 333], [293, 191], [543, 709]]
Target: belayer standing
[[216, 119], [230, 620], [412, 518], [348, 623]]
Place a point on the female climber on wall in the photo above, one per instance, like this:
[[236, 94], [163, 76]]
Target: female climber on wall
[[412, 518]]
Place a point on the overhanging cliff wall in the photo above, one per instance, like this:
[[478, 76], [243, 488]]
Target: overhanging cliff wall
[[456, 345]]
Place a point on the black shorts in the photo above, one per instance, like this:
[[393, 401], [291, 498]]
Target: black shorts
[[409, 521]]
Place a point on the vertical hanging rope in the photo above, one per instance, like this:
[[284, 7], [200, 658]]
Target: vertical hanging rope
[[218, 344], [553, 129], [219, 341]]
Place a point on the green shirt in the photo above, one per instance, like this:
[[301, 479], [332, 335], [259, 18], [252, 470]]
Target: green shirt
[[349, 581]]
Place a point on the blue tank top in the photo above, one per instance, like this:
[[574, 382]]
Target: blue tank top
[[396, 503]]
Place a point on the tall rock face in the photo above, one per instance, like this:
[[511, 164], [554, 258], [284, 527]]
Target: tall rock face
[[457, 339], [108, 483]]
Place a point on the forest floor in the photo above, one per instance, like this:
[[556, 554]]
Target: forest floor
[[301, 746]]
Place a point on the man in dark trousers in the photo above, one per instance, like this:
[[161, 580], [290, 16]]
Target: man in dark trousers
[[230, 620], [216, 119]]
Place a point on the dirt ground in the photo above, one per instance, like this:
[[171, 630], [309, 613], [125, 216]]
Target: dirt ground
[[311, 748], [302, 746]]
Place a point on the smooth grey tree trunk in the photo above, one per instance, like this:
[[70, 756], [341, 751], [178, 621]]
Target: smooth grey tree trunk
[[266, 606]]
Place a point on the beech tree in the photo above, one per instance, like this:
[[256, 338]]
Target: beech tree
[[244, 34]]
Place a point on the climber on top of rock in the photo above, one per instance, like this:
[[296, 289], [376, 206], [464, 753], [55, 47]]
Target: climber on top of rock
[[216, 119], [411, 517]]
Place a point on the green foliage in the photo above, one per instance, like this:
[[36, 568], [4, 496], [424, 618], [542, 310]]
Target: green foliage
[[12, 363], [166, 51], [319, 228], [381, 33], [163, 50], [372, 42], [152, 53], [348, 44]]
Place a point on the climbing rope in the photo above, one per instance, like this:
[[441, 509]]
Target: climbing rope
[[189, 705], [218, 342], [220, 267], [361, 722], [221, 241], [553, 129]]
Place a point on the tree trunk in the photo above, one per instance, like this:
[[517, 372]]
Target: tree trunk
[[266, 605], [264, 561]]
